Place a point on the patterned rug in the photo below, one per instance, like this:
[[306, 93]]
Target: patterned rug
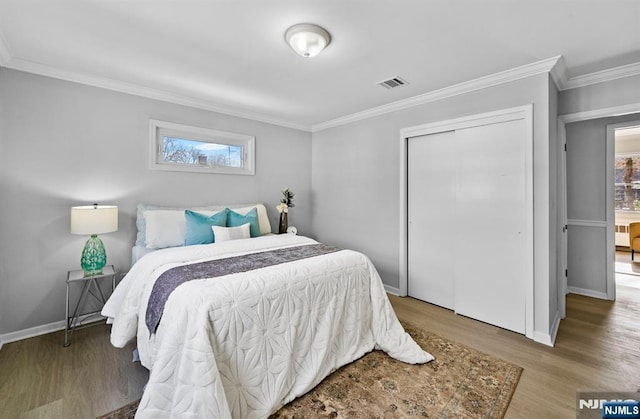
[[460, 383]]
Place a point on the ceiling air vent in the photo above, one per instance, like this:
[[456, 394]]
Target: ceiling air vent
[[392, 82]]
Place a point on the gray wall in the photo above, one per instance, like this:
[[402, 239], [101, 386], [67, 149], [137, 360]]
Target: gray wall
[[586, 188], [64, 144], [587, 203], [356, 180]]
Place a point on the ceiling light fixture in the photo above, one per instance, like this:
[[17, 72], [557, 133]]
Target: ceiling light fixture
[[307, 39]]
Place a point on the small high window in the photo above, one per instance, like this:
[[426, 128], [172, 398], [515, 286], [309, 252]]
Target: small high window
[[186, 148]]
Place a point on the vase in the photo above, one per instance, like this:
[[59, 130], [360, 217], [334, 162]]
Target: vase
[[284, 223], [93, 257]]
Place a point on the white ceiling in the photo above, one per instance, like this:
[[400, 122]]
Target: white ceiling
[[231, 54]]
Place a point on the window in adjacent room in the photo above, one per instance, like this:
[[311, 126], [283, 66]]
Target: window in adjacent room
[[627, 182], [186, 148]]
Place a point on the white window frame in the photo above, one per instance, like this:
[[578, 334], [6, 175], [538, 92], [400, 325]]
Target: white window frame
[[159, 129]]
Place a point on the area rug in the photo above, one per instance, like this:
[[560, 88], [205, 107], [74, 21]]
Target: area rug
[[460, 383]]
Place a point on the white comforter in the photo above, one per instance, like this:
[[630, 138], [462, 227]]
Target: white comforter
[[243, 345]]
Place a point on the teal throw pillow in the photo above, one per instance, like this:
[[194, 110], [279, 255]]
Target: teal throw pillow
[[234, 220], [198, 230]]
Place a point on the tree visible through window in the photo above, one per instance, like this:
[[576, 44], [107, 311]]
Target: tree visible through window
[[186, 148], [184, 151], [627, 182]]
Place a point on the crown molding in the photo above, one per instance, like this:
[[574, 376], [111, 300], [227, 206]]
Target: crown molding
[[517, 73], [602, 76], [559, 73], [143, 91], [554, 66], [600, 113]]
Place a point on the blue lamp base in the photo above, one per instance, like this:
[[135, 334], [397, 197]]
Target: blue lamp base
[[94, 257]]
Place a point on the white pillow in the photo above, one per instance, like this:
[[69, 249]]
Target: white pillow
[[166, 228], [223, 234], [141, 222]]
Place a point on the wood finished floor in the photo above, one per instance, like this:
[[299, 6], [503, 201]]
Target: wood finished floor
[[39, 378], [597, 349]]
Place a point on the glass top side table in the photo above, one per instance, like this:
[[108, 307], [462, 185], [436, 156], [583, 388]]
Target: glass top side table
[[90, 287]]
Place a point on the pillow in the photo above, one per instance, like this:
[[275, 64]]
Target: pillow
[[164, 228], [168, 229], [198, 227], [235, 220], [145, 209], [223, 234], [263, 217]]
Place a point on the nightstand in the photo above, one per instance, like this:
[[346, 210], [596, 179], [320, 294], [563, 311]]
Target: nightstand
[[90, 286]]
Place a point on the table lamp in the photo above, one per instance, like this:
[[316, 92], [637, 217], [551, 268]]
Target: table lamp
[[93, 220]]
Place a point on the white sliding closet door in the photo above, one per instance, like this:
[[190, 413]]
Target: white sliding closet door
[[490, 214], [469, 242], [431, 219]]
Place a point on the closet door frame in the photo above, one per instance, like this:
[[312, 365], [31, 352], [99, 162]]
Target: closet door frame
[[524, 113]]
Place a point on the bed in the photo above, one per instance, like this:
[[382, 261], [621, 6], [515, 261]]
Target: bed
[[243, 342]]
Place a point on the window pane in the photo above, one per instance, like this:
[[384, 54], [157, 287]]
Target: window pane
[[627, 183], [184, 148], [200, 153]]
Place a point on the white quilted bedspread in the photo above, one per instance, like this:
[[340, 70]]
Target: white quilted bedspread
[[243, 345]]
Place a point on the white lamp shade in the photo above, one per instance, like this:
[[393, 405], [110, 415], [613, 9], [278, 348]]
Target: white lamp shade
[[94, 219], [307, 39]]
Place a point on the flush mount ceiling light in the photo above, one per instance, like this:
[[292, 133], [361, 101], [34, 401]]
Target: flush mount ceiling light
[[307, 39]]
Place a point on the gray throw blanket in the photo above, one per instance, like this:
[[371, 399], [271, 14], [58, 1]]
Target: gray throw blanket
[[169, 280]]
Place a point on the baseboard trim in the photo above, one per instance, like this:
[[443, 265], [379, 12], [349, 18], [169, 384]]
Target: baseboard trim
[[587, 293], [543, 338], [31, 332], [392, 290]]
